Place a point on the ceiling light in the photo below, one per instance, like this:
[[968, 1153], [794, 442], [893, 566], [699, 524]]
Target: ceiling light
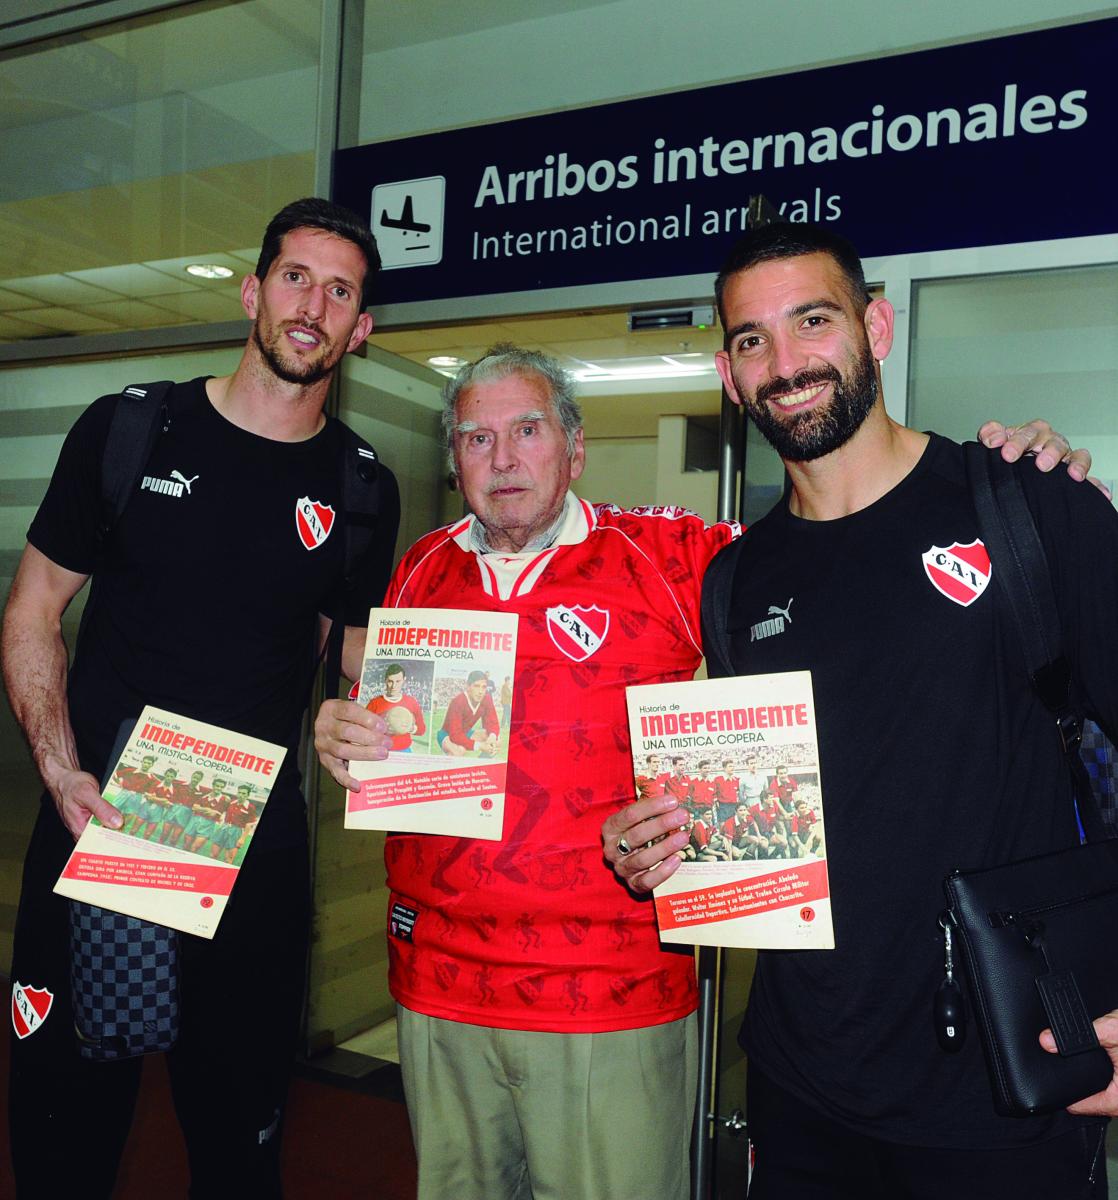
[[628, 369], [209, 271], [446, 360]]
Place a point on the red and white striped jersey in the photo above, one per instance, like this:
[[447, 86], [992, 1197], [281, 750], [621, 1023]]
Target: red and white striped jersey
[[534, 931]]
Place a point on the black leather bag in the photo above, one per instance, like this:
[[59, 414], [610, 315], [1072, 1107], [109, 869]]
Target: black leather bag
[[1037, 936], [1037, 940]]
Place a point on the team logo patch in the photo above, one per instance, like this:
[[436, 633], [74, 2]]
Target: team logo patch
[[30, 1007], [578, 631], [960, 573], [313, 522]]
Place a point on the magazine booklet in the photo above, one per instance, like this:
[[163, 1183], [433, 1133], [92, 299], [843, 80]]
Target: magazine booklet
[[742, 757], [191, 795], [443, 680]]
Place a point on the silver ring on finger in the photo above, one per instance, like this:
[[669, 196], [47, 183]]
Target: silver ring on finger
[[623, 846]]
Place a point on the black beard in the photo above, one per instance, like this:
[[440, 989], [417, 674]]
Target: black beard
[[305, 375], [813, 434]]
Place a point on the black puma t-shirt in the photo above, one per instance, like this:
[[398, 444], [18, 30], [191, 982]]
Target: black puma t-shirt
[[207, 591], [934, 755]]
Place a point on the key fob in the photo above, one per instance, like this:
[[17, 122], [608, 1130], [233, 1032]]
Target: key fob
[[949, 1017]]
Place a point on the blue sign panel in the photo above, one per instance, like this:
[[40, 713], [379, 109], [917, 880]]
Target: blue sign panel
[[1007, 140]]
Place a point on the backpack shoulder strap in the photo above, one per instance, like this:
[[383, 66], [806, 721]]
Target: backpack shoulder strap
[[1023, 578], [142, 413], [370, 499], [1012, 541], [361, 496], [718, 587]]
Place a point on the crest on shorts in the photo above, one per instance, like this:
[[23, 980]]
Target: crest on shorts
[[30, 1007], [960, 573], [577, 630], [313, 522]]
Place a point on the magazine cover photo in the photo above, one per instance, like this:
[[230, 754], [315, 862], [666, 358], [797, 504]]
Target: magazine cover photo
[[443, 681], [742, 759], [192, 796]]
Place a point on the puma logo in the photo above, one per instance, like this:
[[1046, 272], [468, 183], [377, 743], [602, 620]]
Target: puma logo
[[777, 618], [187, 482], [776, 611]]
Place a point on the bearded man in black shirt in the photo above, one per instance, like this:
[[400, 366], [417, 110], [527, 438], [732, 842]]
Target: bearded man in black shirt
[[261, 471], [935, 753]]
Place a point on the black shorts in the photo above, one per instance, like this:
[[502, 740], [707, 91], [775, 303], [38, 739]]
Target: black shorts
[[241, 1002]]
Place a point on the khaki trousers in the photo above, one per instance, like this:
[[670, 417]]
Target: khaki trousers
[[503, 1114]]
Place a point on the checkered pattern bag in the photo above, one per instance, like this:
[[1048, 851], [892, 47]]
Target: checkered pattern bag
[[124, 977], [1101, 760]]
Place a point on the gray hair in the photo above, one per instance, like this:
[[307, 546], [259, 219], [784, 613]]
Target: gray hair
[[501, 361]]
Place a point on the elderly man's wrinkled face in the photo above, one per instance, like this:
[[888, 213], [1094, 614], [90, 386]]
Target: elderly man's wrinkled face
[[512, 458]]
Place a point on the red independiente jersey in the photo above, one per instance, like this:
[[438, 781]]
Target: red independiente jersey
[[382, 707], [534, 931], [132, 779]]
